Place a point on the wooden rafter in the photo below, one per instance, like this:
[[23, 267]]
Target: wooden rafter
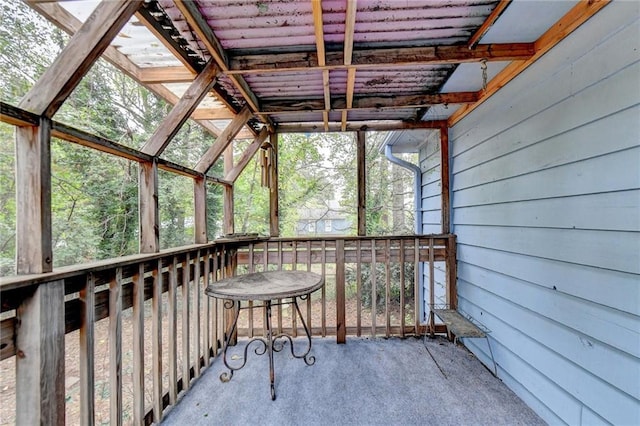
[[380, 58], [246, 156], [578, 15], [204, 32], [182, 110], [212, 114], [318, 25], [176, 74], [84, 48], [488, 23], [215, 151], [349, 30], [369, 102]]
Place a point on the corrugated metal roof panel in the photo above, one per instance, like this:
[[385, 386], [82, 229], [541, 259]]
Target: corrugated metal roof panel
[[287, 84]]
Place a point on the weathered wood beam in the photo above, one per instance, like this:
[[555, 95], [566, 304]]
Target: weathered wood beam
[[318, 24], [17, 116], [349, 30], [200, 210], [215, 151], [84, 48], [40, 395], [172, 123], [380, 58], [33, 198], [246, 156], [228, 207], [204, 32], [274, 211], [157, 75], [369, 102], [149, 222], [212, 114], [362, 182], [355, 126], [351, 83], [488, 23], [577, 16]]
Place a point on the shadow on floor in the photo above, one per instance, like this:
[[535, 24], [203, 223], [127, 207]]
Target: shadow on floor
[[364, 382]]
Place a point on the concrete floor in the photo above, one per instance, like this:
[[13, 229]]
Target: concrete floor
[[364, 382]]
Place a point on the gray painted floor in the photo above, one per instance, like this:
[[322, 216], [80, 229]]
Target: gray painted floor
[[364, 382]]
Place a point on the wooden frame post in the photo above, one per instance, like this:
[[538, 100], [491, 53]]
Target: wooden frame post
[[34, 254], [274, 210], [148, 206], [227, 200], [362, 183], [444, 179], [200, 210], [40, 387]]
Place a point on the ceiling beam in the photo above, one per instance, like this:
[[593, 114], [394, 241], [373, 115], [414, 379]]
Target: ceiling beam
[[201, 27], [360, 126], [369, 102], [212, 114], [577, 16], [181, 111], [247, 155], [77, 57], [380, 58], [157, 75], [488, 23], [215, 151], [349, 30], [318, 24]]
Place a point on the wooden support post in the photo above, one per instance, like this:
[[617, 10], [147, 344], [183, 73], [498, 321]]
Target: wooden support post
[[227, 202], [148, 205], [40, 387], [362, 184], [274, 211], [341, 328], [33, 199], [200, 213], [444, 179]]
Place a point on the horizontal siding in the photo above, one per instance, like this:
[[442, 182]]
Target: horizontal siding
[[546, 208], [429, 158]]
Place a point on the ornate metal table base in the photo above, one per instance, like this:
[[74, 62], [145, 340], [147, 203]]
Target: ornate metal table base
[[272, 343]]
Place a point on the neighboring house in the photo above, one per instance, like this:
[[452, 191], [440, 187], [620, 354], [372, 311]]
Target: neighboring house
[[323, 221]]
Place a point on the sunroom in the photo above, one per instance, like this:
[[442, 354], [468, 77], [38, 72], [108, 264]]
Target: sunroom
[[469, 159]]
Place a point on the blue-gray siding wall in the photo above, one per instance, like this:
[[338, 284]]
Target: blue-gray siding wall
[[546, 207]]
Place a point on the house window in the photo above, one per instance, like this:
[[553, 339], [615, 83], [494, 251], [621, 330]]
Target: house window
[[312, 226], [327, 225]]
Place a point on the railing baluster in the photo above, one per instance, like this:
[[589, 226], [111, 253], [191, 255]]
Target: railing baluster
[[309, 298], [341, 328], [358, 288], [138, 346], [387, 287], [402, 286], [156, 340], [87, 341], [280, 261], [216, 322], [172, 315], [196, 311], [186, 365], [207, 309], [324, 291], [294, 266], [374, 293], [115, 349], [250, 310]]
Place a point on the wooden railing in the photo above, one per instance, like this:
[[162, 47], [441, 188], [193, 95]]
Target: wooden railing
[[143, 330]]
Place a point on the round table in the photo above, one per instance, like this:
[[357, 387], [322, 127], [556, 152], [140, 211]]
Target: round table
[[268, 287]]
